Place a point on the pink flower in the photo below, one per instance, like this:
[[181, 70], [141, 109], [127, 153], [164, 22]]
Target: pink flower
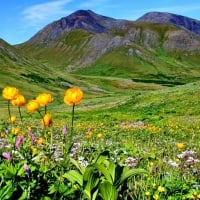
[[64, 129], [19, 141], [7, 156], [32, 136], [26, 169]]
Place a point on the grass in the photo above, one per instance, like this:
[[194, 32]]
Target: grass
[[129, 104], [151, 135]]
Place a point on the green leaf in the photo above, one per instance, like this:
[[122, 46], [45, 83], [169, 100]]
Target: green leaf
[[129, 173], [104, 171], [52, 189], [102, 157], [94, 196], [6, 191], [108, 191], [77, 165], [112, 170], [74, 176], [10, 171], [91, 179]]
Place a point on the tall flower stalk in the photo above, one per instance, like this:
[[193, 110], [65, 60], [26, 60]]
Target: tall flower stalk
[[73, 96], [19, 102], [10, 93]]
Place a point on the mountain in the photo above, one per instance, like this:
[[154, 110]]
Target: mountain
[[87, 43], [190, 24], [26, 73], [81, 19]]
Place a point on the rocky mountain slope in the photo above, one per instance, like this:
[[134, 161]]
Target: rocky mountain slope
[[81, 19], [190, 24], [100, 45], [89, 44]]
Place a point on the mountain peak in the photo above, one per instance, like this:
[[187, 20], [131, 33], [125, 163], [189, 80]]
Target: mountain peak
[[192, 25], [81, 19]]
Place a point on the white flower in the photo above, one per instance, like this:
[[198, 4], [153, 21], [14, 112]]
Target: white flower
[[172, 163]]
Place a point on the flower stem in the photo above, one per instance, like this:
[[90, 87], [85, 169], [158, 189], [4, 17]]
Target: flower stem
[[9, 113], [45, 109], [41, 117], [72, 127], [20, 114]]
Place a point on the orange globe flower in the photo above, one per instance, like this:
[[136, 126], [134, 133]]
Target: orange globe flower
[[44, 99], [19, 101], [10, 93], [73, 96], [32, 106], [47, 120]]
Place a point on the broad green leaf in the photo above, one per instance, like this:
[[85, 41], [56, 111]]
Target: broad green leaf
[[104, 171], [74, 176], [129, 173], [112, 170], [102, 156], [91, 179], [24, 195], [108, 191], [94, 196], [77, 165], [87, 194]]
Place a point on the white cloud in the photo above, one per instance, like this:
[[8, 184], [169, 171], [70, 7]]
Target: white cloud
[[40, 13]]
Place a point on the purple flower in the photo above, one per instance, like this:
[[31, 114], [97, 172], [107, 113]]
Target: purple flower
[[7, 156], [64, 129], [19, 141], [32, 136], [26, 169]]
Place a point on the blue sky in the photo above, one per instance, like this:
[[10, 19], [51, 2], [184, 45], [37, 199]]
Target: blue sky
[[21, 19]]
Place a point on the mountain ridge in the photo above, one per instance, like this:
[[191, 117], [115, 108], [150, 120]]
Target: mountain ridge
[[100, 46], [188, 23], [96, 23]]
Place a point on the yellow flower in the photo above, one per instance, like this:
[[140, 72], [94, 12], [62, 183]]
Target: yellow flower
[[2, 135], [155, 196], [180, 145], [41, 141], [161, 189], [47, 120], [13, 119], [147, 193], [73, 96], [99, 136], [32, 106], [10, 93], [154, 185], [19, 101], [34, 150], [16, 131], [44, 99], [89, 134]]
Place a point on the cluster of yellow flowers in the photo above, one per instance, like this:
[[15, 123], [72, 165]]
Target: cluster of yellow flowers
[[72, 96], [12, 94]]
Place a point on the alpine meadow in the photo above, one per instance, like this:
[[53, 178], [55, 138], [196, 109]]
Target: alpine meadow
[[97, 108]]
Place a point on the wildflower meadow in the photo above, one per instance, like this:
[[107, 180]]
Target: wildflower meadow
[[94, 155]]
